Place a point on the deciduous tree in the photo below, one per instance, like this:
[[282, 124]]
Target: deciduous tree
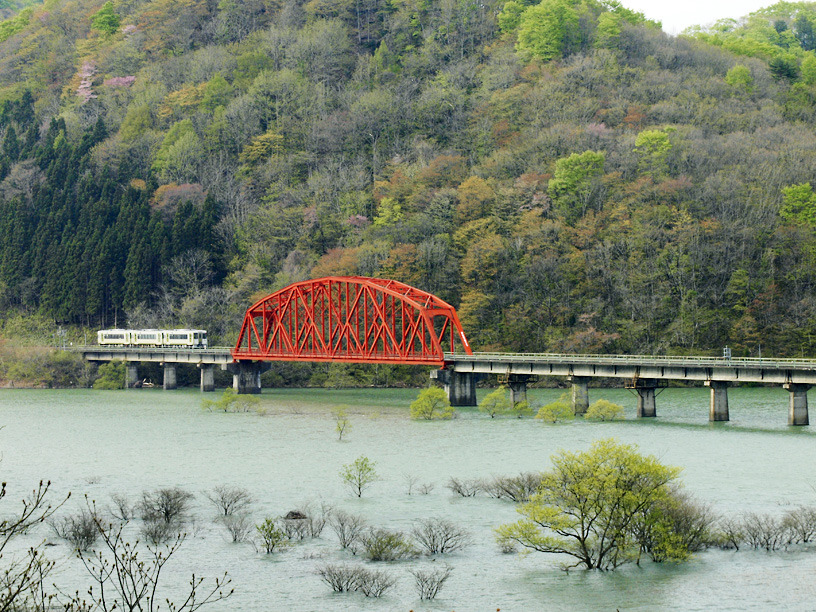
[[432, 403], [588, 505], [359, 475]]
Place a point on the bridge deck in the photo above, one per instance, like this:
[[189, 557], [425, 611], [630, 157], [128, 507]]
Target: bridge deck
[[214, 355], [740, 369], [743, 369]]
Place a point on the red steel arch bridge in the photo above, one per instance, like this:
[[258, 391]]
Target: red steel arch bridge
[[351, 319]]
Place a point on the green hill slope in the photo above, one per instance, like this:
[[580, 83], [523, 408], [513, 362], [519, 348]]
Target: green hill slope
[[567, 175]]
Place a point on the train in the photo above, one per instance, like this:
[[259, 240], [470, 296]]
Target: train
[[186, 338]]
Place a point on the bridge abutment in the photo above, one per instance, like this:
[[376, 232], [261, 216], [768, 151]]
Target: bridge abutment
[[207, 377], [580, 394], [798, 412], [718, 410], [132, 374], [169, 376]]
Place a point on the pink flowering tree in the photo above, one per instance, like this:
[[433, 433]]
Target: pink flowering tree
[[85, 90]]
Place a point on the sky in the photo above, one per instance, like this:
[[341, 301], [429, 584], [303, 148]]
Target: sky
[[678, 15]]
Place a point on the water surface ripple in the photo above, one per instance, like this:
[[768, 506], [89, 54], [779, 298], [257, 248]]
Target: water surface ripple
[[100, 443]]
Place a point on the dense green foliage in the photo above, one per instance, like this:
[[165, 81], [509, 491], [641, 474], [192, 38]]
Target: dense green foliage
[[604, 410], [111, 376], [230, 401], [592, 185], [497, 402], [432, 404], [598, 505], [359, 474], [559, 410]]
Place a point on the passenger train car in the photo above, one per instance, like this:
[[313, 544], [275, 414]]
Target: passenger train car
[[187, 338]]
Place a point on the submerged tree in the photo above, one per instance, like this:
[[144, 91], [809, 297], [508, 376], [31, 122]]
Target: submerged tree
[[431, 404], [342, 424], [589, 506], [359, 474], [496, 402]]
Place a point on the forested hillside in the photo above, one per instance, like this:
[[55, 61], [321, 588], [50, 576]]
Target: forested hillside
[[563, 172]]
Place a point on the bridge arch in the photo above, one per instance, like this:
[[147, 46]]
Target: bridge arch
[[351, 319]]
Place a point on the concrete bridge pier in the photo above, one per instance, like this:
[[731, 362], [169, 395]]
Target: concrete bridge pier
[[246, 375], [646, 407], [460, 387], [169, 376], [132, 374], [798, 414], [207, 377], [580, 394], [718, 410], [518, 387]]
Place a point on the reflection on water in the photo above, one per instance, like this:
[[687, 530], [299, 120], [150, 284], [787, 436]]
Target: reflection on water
[[101, 443]]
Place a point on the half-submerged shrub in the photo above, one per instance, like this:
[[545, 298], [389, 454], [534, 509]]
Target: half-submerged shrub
[[496, 403], [270, 536], [170, 505], [386, 545], [800, 524], [432, 404], [465, 488], [349, 528], [306, 521], [229, 499], [559, 410], [515, 488], [603, 410], [729, 533], [121, 508], [591, 506], [676, 527], [81, 530], [439, 536], [239, 526], [763, 531], [343, 578], [359, 474], [373, 583], [429, 582], [232, 401], [156, 531]]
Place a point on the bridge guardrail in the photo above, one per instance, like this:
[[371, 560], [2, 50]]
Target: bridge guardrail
[[674, 360], [212, 350], [664, 360]]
